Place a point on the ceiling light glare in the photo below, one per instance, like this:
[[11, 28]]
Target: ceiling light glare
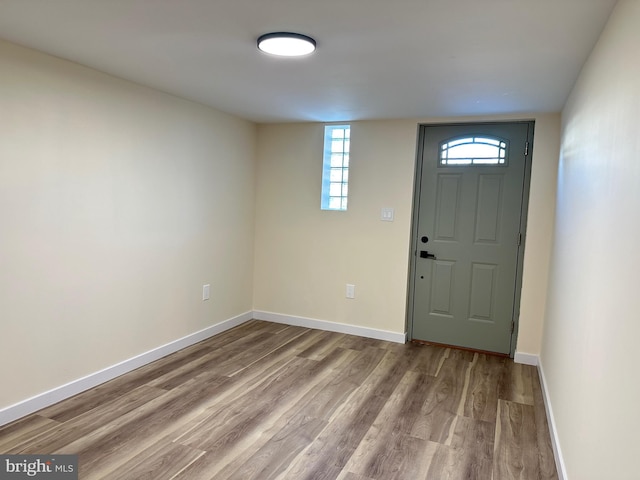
[[286, 44]]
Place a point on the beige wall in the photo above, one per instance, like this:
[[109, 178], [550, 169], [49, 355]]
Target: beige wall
[[540, 224], [305, 256], [589, 355], [117, 203]]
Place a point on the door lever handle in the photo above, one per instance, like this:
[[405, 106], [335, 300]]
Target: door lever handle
[[425, 254]]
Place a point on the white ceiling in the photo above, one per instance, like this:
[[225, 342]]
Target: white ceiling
[[375, 59]]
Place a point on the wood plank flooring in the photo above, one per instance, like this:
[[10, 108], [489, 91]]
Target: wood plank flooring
[[268, 401]]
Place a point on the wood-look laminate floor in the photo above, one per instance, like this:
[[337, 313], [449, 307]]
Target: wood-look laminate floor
[[268, 401]]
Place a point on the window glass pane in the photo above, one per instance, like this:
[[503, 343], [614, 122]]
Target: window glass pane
[[337, 160], [458, 142], [335, 203], [473, 151], [336, 175], [335, 189], [487, 140], [335, 171], [337, 146]]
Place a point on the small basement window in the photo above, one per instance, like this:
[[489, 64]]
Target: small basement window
[[335, 167], [476, 150]]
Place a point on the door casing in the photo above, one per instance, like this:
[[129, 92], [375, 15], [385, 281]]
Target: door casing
[[523, 221]]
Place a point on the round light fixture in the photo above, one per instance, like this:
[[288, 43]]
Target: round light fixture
[[286, 44]]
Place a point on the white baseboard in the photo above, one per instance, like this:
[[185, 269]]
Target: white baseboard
[[555, 441], [33, 404], [531, 359], [526, 358], [330, 326]]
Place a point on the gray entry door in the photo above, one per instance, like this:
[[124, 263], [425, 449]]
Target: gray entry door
[[467, 225]]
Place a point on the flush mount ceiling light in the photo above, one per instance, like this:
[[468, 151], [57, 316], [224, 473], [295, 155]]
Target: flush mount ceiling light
[[286, 44]]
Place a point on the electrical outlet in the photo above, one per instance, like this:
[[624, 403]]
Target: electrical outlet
[[351, 291], [206, 292]]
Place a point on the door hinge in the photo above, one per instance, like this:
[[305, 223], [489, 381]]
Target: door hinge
[[513, 326], [519, 239], [526, 149]]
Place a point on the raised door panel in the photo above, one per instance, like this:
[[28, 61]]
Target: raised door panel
[[482, 298], [447, 206], [488, 208], [442, 288]]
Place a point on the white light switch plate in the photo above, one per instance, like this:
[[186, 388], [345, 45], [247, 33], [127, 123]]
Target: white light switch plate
[[351, 291], [386, 214], [206, 292]]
